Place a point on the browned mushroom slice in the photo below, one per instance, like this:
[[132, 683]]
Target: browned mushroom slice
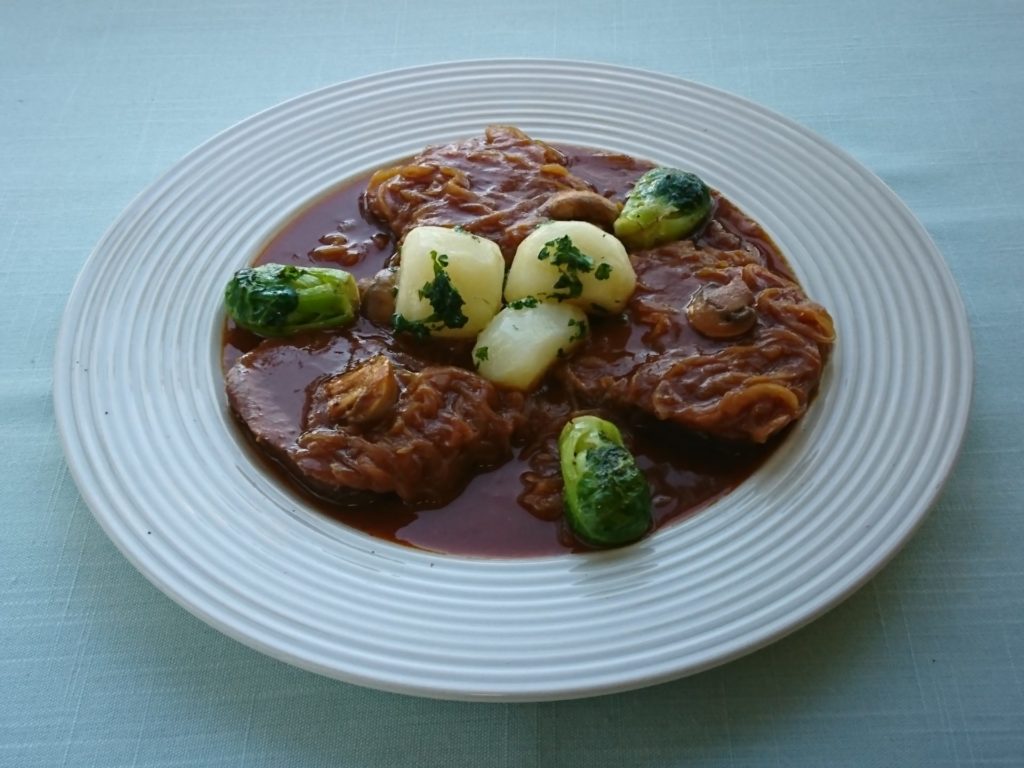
[[377, 296], [363, 395], [581, 205], [722, 311]]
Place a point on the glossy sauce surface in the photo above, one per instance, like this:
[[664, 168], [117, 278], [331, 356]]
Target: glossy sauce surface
[[685, 472]]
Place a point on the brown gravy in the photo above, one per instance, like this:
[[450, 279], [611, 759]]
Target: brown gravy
[[686, 472]]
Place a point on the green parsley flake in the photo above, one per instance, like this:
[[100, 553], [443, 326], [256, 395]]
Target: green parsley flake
[[415, 327], [581, 329], [571, 263], [444, 299], [527, 303]]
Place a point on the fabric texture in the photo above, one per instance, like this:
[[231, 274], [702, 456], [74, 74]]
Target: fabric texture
[[924, 666]]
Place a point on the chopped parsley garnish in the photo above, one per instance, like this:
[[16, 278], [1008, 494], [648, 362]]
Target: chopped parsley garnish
[[526, 303], [571, 262], [480, 354], [581, 329], [603, 272], [444, 299], [415, 327]]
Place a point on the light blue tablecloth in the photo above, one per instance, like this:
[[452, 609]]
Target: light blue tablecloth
[[923, 667]]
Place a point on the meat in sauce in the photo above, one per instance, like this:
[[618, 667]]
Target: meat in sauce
[[717, 352]]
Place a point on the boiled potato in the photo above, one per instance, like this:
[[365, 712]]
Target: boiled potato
[[523, 340], [575, 262], [449, 282]]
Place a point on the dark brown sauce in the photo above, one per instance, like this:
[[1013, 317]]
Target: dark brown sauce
[[686, 472]]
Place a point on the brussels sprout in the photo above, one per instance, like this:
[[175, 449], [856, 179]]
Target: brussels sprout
[[666, 204], [279, 299], [607, 501]]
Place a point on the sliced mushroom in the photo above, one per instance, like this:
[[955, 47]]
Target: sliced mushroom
[[377, 296], [363, 395], [581, 205], [722, 311]]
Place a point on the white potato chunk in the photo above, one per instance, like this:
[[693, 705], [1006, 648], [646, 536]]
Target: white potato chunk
[[439, 267], [523, 340], [573, 261]]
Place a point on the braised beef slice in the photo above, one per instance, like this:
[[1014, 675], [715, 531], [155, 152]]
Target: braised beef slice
[[493, 185], [446, 424], [373, 420], [748, 387]]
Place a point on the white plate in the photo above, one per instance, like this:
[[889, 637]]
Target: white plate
[[140, 403]]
